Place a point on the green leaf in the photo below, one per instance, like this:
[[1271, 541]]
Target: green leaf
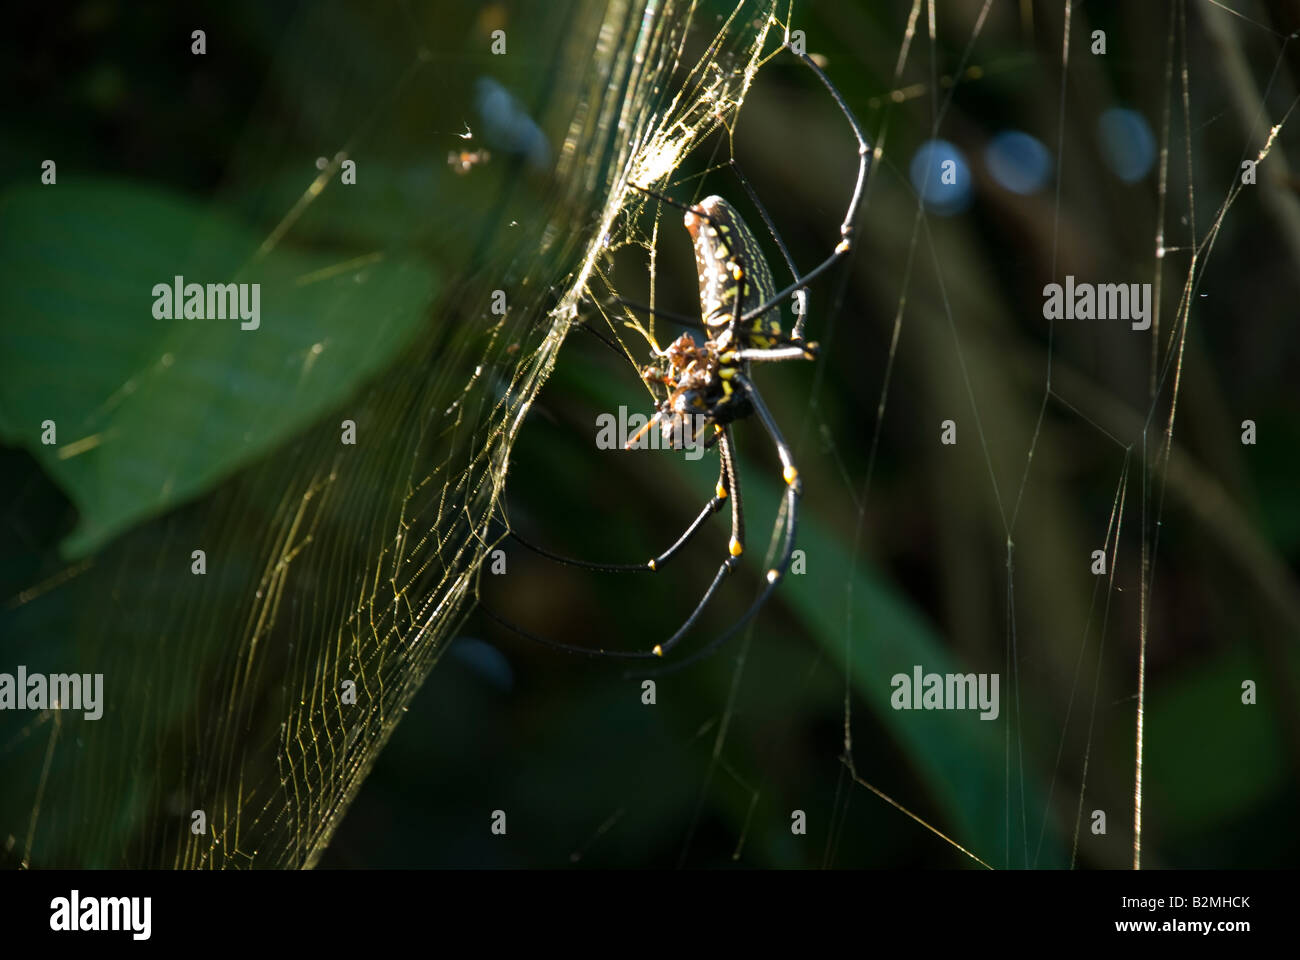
[[152, 412]]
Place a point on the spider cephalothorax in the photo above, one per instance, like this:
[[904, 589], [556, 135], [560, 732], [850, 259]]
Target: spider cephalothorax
[[699, 398], [690, 372]]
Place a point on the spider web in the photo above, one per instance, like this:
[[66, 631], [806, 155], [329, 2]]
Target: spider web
[[364, 567], [1032, 398], [228, 693], [1142, 449]]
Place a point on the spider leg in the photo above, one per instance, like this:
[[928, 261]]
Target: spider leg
[[601, 337], [807, 351], [848, 227], [726, 473], [734, 549], [728, 479], [788, 470], [727, 454], [557, 645], [649, 425]]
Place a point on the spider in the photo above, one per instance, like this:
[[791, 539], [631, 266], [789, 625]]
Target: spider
[[708, 384]]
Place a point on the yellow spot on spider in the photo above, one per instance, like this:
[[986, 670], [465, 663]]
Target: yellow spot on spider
[[652, 565], [790, 474], [735, 547], [722, 495], [658, 651]]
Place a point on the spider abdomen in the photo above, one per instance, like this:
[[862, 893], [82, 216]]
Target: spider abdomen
[[733, 273]]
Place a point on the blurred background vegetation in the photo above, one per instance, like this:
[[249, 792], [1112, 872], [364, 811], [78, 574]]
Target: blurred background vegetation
[[918, 556]]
